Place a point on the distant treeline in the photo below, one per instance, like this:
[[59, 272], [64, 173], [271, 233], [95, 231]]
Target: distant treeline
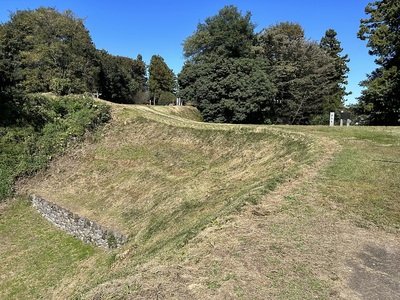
[[275, 76], [47, 51], [232, 73], [44, 50], [278, 76]]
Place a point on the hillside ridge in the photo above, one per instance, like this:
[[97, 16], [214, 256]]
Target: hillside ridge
[[215, 210]]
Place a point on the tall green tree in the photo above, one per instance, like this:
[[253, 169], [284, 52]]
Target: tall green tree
[[161, 81], [229, 90], [331, 44], [9, 94], [221, 75], [382, 87], [121, 79], [138, 71], [228, 34], [300, 70], [52, 51]]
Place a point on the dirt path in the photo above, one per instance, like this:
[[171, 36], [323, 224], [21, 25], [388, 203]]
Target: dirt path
[[374, 270]]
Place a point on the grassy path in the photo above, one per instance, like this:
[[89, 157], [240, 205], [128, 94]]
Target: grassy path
[[218, 211]]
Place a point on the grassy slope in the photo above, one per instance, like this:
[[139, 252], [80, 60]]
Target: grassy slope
[[364, 177], [212, 210]]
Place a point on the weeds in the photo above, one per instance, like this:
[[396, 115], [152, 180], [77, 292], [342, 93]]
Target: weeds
[[52, 124]]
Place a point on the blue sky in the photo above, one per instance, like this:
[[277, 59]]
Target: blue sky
[[129, 28]]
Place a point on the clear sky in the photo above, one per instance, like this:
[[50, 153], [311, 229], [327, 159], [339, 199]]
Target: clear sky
[[129, 28]]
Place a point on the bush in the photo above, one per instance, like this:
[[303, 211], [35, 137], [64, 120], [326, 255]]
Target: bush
[[166, 98], [320, 119], [48, 125]]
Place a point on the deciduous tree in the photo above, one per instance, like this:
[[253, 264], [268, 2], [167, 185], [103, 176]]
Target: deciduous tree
[[52, 51], [221, 75], [229, 90], [121, 78], [228, 34], [9, 93]]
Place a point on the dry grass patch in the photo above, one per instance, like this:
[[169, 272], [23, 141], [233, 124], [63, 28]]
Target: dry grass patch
[[227, 211], [161, 184]]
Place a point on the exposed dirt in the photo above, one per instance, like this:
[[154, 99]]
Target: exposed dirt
[[375, 270]]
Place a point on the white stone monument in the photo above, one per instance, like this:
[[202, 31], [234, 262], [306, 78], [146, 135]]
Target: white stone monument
[[332, 119]]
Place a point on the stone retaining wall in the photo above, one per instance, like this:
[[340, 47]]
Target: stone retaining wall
[[82, 228]]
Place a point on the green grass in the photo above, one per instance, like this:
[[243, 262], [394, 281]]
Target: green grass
[[297, 283], [364, 176], [162, 179], [162, 184], [178, 179], [35, 256], [367, 183]]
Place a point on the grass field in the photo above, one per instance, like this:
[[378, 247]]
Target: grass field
[[213, 211]]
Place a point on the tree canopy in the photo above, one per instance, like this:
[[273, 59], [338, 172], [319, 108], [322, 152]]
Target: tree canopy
[[228, 34], [161, 81], [49, 51], [229, 90], [121, 79], [220, 76], [300, 70], [44, 50], [382, 87], [231, 73], [275, 76], [339, 80]]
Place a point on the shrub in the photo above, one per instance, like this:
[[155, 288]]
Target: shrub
[[48, 125], [320, 120]]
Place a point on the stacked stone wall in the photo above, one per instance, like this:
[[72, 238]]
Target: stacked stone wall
[[80, 227]]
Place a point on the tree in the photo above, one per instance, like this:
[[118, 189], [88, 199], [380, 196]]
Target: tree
[[229, 90], [330, 44], [161, 80], [121, 79], [382, 86], [300, 70], [51, 51], [8, 91], [138, 71], [221, 75], [228, 34]]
